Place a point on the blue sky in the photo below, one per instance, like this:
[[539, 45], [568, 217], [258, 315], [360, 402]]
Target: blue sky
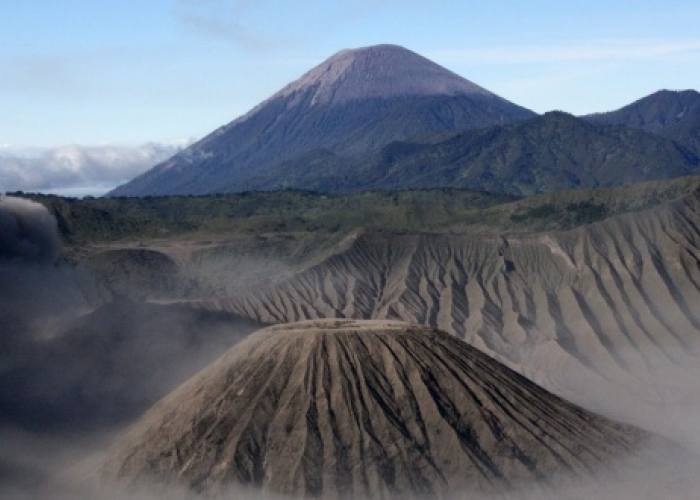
[[125, 72]]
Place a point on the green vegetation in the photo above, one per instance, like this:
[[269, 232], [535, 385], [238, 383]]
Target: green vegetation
[[83, 221], [111, 219], [570, 215], [103, 220]]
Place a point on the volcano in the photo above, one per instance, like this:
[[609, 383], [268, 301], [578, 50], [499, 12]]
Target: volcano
[[354, 103], [345, 408]]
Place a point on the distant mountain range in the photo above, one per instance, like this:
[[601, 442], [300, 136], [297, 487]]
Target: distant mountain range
[[546, 153], [671, 114], [383, 117]]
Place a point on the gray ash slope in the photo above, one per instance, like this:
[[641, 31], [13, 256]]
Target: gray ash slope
[[338, 408], [605, 315], [353, 103]]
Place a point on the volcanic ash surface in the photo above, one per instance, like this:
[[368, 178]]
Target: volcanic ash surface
[[344, 408]]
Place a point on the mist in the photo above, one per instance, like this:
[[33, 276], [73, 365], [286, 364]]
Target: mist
[[77, 362], [28, 233], [79, 169]]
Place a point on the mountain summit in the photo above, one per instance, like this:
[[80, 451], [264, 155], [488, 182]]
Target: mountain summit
[[354, 103], [385, 71]]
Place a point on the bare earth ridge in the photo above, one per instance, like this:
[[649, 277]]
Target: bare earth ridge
[[338, 408], [602, 315]]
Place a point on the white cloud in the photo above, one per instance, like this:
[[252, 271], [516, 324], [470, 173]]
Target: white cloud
[[240, 22], [78, 169]]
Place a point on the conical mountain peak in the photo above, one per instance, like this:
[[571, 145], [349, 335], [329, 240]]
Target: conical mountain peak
[[383, 71], [354, 103], [342, 408]]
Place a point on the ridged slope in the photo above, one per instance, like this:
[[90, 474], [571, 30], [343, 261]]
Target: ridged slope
[[365, 409], [355, 102], [605, 315]]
